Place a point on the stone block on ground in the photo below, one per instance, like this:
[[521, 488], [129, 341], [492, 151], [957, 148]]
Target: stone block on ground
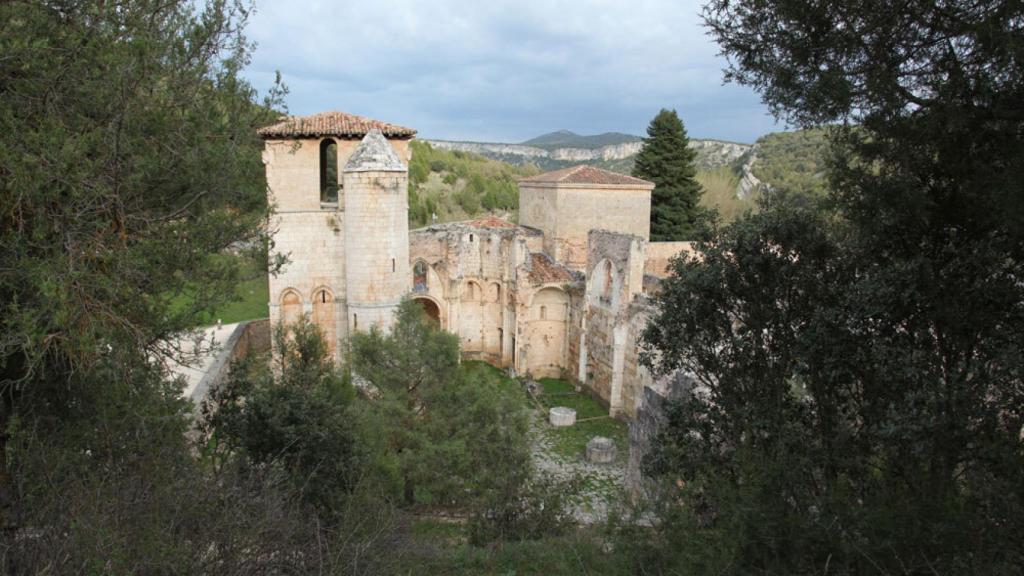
[[601, 450], [562, 416]]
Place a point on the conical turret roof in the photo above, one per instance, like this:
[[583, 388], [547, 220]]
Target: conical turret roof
[[374, 154]]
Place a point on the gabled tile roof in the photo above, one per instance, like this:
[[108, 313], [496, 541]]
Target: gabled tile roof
[[333, 123], [544, 269], [584, 174], [490, 222]]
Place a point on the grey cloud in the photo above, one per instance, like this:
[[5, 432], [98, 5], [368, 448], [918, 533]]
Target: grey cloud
[[503, 70]]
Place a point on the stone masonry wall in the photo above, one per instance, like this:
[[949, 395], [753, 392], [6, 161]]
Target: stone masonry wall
[[660, 254], [376, 246]]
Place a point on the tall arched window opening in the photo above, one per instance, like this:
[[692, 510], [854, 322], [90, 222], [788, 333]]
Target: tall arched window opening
[[419, 276], [328, 171]]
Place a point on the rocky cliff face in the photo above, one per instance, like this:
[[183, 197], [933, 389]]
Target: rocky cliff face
[[710, 153], [715, 153]]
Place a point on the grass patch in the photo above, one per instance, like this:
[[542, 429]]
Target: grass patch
[[571, 442], [252, 296], [556, 386]]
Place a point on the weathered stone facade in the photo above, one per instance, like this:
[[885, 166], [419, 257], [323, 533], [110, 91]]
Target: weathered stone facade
[[561, 294]]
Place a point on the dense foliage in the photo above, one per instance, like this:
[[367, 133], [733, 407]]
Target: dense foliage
[[859, 399], [793, 161], [295, 420], [454, 438], [454, 185], [129, 165], [667, 160], [128, 158]]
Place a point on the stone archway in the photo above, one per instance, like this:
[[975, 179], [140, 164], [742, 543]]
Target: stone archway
[[431, 309]]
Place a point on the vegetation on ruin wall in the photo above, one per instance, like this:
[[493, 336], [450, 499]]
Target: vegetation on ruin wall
[[454, 185]]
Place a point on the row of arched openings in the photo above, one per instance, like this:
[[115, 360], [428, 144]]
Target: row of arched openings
[[473, 292], [323, 314]]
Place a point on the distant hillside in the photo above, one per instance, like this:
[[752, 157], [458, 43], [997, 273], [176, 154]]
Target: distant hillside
[[451, 185], [733, 174], [567, 139]]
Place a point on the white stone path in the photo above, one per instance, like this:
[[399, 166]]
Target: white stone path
[[211, 343]]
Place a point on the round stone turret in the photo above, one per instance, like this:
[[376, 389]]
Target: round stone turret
[[375, 188]]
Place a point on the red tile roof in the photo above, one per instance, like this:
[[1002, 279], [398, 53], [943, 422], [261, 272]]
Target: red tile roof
[[332, 123], [490, 222], [584, 174], [543, 270]]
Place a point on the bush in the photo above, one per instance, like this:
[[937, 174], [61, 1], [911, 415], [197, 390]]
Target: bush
[[297, 422]]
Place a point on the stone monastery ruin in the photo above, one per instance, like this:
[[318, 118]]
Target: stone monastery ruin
[[563, 293]]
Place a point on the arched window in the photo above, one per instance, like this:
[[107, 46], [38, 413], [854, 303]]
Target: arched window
[[291, 307], [419, 276], [328, 170]]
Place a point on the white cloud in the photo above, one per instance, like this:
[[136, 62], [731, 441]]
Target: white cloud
[[503, 70]]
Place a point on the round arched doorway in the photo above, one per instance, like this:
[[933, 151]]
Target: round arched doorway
[[431, 310]]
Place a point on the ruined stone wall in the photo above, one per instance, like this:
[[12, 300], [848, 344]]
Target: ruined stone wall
[[635, 376], [250, 337], [614, 280], [601, 352], [644, 427], [472, 276]]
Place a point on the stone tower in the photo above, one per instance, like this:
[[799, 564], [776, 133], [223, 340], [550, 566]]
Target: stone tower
[[305, 157], [376, 201]]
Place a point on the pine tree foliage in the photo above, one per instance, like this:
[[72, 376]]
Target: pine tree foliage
[[859, 356], [668, 161]]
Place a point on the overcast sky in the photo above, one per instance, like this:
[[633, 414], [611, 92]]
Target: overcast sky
[[503, 71]]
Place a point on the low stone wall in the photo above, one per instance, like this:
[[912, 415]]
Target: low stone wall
[[659, 255], [250, 337]]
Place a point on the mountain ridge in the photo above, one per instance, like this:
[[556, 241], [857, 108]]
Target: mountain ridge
[[569, 139]]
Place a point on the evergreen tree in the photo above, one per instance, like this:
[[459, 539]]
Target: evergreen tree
[[667, 160], [859, 357]]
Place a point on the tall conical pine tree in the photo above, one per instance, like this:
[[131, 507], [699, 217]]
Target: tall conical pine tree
[[667, 160]]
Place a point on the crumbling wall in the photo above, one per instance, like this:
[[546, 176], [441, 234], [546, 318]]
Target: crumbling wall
[[614, 279], [644, 427]]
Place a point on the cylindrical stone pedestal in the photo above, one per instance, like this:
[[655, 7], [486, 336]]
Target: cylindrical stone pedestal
[[600, 450], [562, 416]]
